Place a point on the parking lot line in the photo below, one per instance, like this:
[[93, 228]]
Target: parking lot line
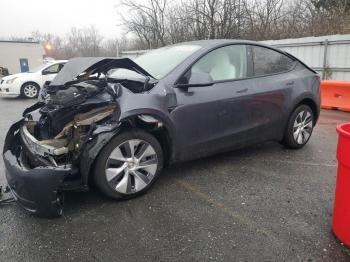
[[299, 163]]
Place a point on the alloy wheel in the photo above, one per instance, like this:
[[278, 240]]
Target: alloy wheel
[[30, 91], [131, 166], [302, 127]]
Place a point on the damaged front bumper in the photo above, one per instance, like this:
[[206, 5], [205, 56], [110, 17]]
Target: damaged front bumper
[[38, 189]]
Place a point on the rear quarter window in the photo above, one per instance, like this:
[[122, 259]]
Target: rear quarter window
[[267, 61]]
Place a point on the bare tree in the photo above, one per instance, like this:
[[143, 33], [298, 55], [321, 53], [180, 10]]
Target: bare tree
[[84, 42], [147, 19], [156, 23]]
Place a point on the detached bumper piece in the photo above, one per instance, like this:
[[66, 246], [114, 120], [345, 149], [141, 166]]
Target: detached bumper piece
[[39, 189]]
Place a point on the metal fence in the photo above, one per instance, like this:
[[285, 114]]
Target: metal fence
[[328, 55]]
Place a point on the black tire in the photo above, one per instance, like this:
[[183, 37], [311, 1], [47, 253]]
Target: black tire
[[289, 139], [33, 86], [100, 177]]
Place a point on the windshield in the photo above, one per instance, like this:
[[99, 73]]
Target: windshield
[[161, 61], [38, 68]]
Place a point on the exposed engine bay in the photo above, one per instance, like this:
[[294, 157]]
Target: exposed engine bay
[[55, 146], [61, 126]]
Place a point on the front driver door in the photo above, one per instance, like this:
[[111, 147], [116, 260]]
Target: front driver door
[[213, 118]]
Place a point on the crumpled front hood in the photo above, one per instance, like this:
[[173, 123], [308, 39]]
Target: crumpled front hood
[[77, 66]]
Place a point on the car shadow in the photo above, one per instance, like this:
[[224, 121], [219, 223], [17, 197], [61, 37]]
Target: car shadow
[[12, 98]]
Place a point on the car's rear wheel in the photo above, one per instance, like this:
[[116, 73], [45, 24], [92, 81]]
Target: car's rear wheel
[[129, 165], [30, 90], [299, 128]]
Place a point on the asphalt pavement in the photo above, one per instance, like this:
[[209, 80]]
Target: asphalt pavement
[[262, 203]]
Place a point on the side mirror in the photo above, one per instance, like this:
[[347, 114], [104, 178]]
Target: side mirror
[[197, 79]]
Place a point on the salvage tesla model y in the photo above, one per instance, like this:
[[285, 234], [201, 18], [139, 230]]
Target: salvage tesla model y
[[117, 122]]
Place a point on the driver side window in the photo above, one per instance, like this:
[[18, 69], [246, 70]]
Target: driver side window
[[225, 63]]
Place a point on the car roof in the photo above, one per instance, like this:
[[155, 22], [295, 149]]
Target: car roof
[[213, 43]]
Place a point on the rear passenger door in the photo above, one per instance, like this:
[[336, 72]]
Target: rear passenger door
[[274, 81]]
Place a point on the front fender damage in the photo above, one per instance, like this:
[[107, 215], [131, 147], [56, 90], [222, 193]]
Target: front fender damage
[[102, 135], [54, 147]]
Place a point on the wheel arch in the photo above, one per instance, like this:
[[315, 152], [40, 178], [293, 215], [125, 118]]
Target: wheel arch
[[311, 103], [304, 99], [29, 82], [288, 140], [156, 126]]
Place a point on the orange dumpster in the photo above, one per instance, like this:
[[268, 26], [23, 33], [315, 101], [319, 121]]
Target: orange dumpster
[[335, 95]]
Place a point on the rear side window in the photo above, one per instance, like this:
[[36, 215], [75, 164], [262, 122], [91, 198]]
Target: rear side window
[[267, 61]]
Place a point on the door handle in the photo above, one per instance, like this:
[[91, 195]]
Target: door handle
[[242, 90], [290, 83]]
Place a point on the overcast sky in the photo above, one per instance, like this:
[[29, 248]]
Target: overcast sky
[[21, 17]]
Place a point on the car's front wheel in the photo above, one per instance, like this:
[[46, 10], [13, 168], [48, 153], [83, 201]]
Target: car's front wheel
[[128, 165], [299, 127], [30, 90]]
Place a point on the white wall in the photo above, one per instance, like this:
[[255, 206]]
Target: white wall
[[11, 52]]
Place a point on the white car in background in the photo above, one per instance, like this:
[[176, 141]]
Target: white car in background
[[28, 84]]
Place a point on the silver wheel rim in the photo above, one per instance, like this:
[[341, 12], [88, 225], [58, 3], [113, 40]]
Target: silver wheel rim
[[131, 166], [30, 91], [302, 127]]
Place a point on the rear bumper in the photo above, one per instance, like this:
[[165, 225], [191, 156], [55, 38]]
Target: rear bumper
[[35, 189]]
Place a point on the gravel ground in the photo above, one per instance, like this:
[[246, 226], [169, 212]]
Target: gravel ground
[[263, 203]]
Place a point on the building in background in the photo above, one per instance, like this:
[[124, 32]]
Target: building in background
[[20, 56]]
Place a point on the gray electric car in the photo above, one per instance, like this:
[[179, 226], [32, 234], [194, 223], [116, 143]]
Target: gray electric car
[[118, 122]]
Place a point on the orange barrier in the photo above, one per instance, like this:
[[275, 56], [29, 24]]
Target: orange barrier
[[335, 95]]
